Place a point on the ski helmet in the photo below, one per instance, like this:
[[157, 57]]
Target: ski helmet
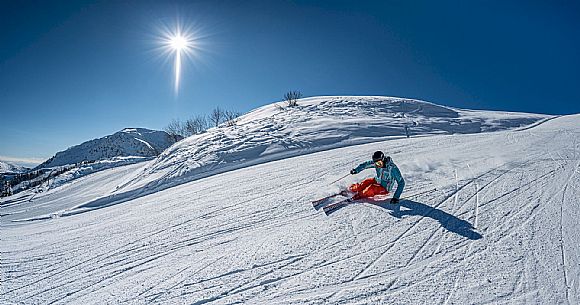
[[378, 155]]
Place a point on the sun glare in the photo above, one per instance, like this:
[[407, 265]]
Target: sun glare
[[178, 43]]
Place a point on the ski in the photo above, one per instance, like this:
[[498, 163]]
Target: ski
[[335, 206], [318, 202], [378, 199]]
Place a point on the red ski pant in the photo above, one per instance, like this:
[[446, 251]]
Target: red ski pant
[[367, 188]]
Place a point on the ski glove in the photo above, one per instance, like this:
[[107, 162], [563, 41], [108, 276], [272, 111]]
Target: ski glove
[[395, 200], [353, 171]]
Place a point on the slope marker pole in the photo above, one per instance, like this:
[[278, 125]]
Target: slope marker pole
[[476, 197]]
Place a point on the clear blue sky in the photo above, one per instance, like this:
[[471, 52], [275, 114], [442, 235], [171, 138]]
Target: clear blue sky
[[71, 71]]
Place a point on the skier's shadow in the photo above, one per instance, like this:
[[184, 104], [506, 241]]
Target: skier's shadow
[[448, 221]]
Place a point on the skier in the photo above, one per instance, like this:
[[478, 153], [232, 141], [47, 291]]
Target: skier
[[387, 174]]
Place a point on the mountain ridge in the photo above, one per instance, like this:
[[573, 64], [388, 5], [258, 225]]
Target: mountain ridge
[[129, 142], [9, 168]]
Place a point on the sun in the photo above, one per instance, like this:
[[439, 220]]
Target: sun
[[179, 44]]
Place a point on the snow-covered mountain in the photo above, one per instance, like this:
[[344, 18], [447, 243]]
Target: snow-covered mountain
[[8, 168], [490, 218], [275, 132], [134, 142]]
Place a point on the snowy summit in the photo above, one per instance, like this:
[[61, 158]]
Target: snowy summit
[[8, 168], [134, 142]]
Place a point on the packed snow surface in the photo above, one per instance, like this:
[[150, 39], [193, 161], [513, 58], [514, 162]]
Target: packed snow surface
[[129, 142], [490, 218]]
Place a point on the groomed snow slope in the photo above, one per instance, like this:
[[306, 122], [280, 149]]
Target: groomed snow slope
[[251, 235]]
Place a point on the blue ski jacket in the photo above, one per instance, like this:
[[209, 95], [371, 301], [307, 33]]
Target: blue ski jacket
[[386, 176]]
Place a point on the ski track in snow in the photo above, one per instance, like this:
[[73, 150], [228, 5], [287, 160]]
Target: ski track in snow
[[251, 235]]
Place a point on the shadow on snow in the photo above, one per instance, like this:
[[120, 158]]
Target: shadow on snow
[[414, 208]]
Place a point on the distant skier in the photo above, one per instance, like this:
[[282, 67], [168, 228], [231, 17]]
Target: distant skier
[[387, 174]]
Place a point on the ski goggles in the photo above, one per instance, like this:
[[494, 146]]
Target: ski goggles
[[379, 163]]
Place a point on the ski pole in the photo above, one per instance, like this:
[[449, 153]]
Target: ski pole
[[333, 182]]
